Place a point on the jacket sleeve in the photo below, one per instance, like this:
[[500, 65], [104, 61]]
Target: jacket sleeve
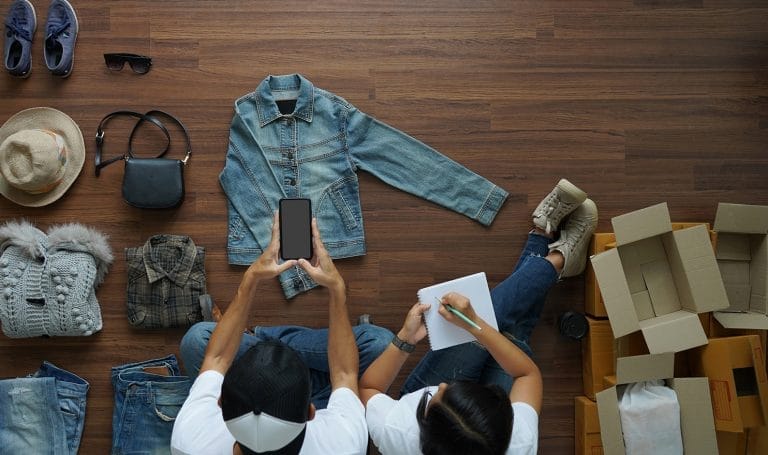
[[414, 167]]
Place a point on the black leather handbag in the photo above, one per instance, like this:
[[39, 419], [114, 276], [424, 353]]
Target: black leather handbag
[[148, 183]]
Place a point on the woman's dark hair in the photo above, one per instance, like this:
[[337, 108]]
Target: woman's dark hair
[[470, 418]]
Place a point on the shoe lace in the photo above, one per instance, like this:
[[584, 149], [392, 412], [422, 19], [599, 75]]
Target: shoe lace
[[56, 28], [582, 225], [18, 26], [554, 207]]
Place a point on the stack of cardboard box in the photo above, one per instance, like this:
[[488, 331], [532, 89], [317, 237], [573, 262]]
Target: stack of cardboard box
[[652, 287]]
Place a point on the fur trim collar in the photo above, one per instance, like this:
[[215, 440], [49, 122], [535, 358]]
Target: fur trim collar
[[76, 237], [25, 236], [69, 237]]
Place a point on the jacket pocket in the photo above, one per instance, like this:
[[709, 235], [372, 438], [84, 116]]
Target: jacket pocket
[[344, 196]]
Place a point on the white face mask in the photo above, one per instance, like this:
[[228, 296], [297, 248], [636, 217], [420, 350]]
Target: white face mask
[[263, 432]]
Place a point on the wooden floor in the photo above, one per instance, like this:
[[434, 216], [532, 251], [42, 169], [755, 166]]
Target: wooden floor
[[637, 102]]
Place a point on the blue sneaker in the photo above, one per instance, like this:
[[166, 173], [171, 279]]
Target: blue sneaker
[[60, 36], [20, 27]]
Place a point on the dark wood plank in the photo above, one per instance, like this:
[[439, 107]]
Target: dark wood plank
[[637, 101]]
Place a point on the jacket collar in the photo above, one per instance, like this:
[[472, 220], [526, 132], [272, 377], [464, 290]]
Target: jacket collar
[[288, 87], [157, 251]]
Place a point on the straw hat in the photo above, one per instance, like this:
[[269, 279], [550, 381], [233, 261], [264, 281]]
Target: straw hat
[[41, 154]]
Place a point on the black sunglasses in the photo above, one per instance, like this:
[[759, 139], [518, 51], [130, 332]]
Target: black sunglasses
[[140, 64]]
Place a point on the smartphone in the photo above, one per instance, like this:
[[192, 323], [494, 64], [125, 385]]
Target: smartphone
[[295, 228]]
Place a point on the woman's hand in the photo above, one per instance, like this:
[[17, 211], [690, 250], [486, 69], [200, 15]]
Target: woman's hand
[[459, 303], [414, 329]]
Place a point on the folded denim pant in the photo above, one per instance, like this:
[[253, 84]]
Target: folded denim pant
[[42, 413], [146, 405]]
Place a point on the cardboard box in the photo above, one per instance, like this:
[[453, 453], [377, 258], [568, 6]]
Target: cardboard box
[[593, 301], [731, 443], [697, 425], [657, 280], [757, 441], [742, 255], [597, 355], [587, 434], [738, 386], [716, 330], [602, 241]]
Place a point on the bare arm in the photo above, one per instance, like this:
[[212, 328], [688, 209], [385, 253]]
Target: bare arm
[[528, 386], [343, 358], [383, 371], [226, 337]]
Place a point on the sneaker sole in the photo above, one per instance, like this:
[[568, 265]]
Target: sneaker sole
[[590, 205]]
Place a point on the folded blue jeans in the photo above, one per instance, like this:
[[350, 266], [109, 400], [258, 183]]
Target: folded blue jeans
[[517, 304], [310, 344], [146, 405], [42, 413]]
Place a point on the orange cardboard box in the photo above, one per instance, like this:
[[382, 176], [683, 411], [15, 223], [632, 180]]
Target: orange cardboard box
[[587, 435], [597, 355], [757, 441], [593, 301], [738, 385], [716, 330], [731, 443]]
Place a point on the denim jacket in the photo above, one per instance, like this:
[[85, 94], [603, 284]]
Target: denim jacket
[[291, 139]]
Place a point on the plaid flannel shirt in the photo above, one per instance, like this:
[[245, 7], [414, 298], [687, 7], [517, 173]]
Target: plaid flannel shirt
[[166, 277]]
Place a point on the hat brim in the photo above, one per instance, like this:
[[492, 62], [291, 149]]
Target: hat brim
[[49, 119]]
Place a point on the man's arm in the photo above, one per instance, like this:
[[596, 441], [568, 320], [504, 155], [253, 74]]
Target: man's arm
[[383, 371], [342, 349], [226, 337], [528, 386]]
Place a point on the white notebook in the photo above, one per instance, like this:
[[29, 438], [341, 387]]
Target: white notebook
[[443, 334]]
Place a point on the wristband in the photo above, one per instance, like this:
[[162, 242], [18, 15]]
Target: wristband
[[403, 345]]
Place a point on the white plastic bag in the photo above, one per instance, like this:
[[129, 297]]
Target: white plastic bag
[[650, 419]]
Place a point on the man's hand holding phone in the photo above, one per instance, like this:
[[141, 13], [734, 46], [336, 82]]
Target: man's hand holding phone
[[268, 264], [321, 267]]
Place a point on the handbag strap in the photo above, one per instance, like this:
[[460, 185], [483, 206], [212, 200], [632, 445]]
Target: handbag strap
[[152, 115], [142, 118]]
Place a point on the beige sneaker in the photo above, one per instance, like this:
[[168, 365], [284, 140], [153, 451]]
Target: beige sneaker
[[574, 238], [561, 201]]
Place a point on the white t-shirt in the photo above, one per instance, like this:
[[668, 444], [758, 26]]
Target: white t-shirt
[[394, 429], [200, 429]]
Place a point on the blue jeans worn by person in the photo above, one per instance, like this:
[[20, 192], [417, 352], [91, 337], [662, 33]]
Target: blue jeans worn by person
[[310, 344], [291, 139], [517, 304], [146, 405], [42, 413]]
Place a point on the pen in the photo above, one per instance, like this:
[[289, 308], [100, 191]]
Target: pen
[[460, 315]]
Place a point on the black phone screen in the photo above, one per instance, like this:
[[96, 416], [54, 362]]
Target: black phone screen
[[295, 228]]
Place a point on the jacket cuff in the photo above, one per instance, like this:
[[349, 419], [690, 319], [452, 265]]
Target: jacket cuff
[[491, 206]]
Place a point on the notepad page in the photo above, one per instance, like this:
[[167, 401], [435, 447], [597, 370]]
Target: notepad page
[[442, 334]]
